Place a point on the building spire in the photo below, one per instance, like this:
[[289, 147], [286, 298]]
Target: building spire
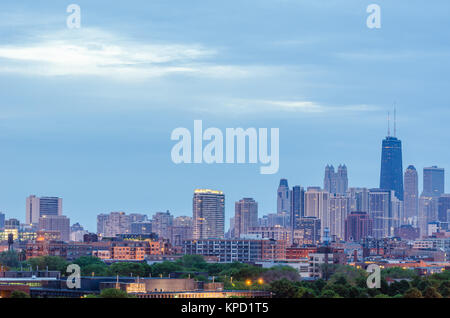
[[389, 125], [395, 120]]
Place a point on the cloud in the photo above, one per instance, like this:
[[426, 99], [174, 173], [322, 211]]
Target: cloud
[[294, 106], [95, 52]]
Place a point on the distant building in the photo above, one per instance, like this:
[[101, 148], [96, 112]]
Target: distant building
[[358, 226], [181, 230], [208, 214], [407, 232], [360, 199], [162, 223], [444, 208], [433, 181], [428, 212], [56, 223], [411, 195], [40, 206], [2, 220], [245, 216], [283, 200], [335, 182], [339, 209], [307, 231], [141, 227], [297, 205], [391, 176], [109, 225], [317, 204], [380, 211]]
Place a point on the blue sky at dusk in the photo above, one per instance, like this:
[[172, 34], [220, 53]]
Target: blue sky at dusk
[[86, 114]]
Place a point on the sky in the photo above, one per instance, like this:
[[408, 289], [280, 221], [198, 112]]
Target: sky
[[86, 114]]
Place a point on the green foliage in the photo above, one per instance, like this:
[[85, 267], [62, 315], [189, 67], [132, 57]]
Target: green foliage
[[92, 264], [431, 292], [129, 269], [283, 288], [9, 259], [113, 293], [413, 293], [53, 263], [19, 294]]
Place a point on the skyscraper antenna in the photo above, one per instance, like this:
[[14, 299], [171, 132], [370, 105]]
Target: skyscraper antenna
[[389, 126], [395, 120]]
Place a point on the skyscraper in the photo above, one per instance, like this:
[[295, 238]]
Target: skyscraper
[[40, 206], [208, 214], [109, 225], [162, 223], [2, 220], [335, 182], [245, 216], [380, 211], [358, 226], [411, 195], [433, 181], [391, 176], [339, 209], [444, 208], [360, 199], [297, 205], [317, 204], [283, 201]]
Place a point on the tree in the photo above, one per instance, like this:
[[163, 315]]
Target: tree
[[328, 293], [113, 293], [283, 288], [413, 293], [9, 258], [431, 292], [91, 264], [53, 263], [304, 292], [381, 296], [128, 269], [19, 294]]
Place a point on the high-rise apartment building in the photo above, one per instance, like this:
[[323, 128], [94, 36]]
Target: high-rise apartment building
[[428, 212], [433, 181], [208, 214], [360, 199], [245, 216], [339, 209], [162, 223], [317, 204], [391, 176], [411, 195], [40, 206], [380, 211], [358, 226], [181, 230], [335, 182], [444, 208], [58, 223], [307, 231], [109, 225]]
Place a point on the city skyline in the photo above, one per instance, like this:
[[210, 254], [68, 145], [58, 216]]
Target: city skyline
[[99, 136]]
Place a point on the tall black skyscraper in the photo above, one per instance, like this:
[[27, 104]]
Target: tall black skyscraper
[[391, 176], [297, 205]]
